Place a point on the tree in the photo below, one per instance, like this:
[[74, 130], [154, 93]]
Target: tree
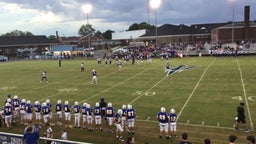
[[86, 30], [107, 34], [98, 33], [140, 26], [18, 33], [134, 26]]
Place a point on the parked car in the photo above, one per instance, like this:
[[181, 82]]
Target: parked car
[[3, 58]]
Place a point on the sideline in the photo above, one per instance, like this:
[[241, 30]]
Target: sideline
[[245, 96], [192, 93]]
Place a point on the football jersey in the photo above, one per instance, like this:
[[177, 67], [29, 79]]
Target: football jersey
[[67, 108], [117, 118], [94, 73], [7, 110], [16, 103], [124, 114], [89, 112], [77, 109], [162, 117], [28, 108], [84, 110], [37, 108], [130, 113], [58, 107], [173, 117], [45, 110], [22, 106], [109, 111], [97, 111]]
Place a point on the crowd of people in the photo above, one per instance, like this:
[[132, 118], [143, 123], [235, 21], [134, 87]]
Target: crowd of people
[[21, 111]]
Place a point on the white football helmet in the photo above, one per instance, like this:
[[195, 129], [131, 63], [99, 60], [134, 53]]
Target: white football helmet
[[97, 104], [172, 111], [9, 100], [37, 103], [129, 106], [109, 104], [28, 102], [59, 102], [23, 100], [123, 106], [93, 70], [47, 101], [76, 103], [84, 104], [162, 109], [120, 111], [15, 97], [66, 102], [43, 104], [88, 106], [7, 104]]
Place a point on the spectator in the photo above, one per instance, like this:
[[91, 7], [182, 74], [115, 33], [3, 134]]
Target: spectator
[[232, 139], [207, 141], [250, 139], [130, 140], [185, 139], [64, 135], [30, 137], [48, 134]]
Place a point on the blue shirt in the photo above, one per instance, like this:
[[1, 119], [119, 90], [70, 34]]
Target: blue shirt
[[109, 112], [58, 107], [67, 108], [97, 111], [77, 109], [173, 117], [37, 108], [130, 113], [31, 138]]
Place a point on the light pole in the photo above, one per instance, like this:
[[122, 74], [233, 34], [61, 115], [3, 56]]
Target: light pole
[[154, 4], [233, 20], [87, 9]]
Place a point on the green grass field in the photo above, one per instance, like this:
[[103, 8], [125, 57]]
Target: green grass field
[[205, 97]]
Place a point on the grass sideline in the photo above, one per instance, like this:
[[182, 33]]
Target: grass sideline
[[205, 97]]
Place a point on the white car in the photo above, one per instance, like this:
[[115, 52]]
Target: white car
[[3, 58]]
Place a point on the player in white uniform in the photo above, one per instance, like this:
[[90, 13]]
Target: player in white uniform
[[84, 115], [8, 111], [59, 110], [89, 117], [67, 110], [44, 76], [97, 116], [37, 109], [163, 119], [110, 116], [131, 115], [77, 115], [23, 112], [16, 106], [124, 117], [173, 123], [119, 129], [94, 77]]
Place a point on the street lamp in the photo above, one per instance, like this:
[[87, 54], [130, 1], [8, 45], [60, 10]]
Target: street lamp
[[87, 9], [233, 19], [154, 4]]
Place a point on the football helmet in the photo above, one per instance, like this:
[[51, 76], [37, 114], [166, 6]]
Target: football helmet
[[76, 103], [120, 111], [15, 97], [9, 100], [123, 106], [59, 102], [88, 106], [23, 100], [129, 106], [66, 102], [172, 111], [43, 104], [109, 104], [37, 103], [84, 104], [97, 104], [162, 109], [7, 104], [47, 101], [28, 102]]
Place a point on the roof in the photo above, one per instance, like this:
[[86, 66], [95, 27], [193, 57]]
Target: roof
[[128, 34], [205, 28], [24, 40]]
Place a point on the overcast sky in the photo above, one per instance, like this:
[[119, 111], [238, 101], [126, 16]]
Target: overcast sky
[[45, 17]]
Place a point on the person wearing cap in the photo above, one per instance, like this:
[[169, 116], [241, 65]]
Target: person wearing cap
[[250, 139], [240, 117], [232, 139], [94, 77]]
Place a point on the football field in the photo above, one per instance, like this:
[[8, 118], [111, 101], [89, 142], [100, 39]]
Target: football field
[[205, 93]]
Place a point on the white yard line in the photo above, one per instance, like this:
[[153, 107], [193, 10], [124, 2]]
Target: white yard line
[[192, 93], [114, 86], [245, 96]]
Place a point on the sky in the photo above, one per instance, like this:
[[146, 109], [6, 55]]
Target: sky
[[45, 17]]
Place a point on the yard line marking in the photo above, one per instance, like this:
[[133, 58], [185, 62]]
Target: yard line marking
[[202, 122], [148, 119], [187, 121], [147, 91], [218, 124], [114, 86], [245, 96], [192, 93]]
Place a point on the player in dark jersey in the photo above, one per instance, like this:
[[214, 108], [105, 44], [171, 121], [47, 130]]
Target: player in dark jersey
[[94, 77], [240, 117], [97, 116], [163, 119], [44, 76], [103, 106]]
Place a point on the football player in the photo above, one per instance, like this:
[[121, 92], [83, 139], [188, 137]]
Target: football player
[[67, 109], [82, 68], [94, 77], [76, 110], [89, 117], [119, 129], [131, 115], [8, 111], [16, 106], [173, 124], [23, 112], [44, 76], [45, 113], [163, 119], [103, 106], [37, 109], [97, 116], [109, 116], [59, 109], [240, 117], [84, 107], [29, 110], [124, 115]]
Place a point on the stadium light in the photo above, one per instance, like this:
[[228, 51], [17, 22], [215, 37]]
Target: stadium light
[[233, 19], [155, 4], [87, 8]]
